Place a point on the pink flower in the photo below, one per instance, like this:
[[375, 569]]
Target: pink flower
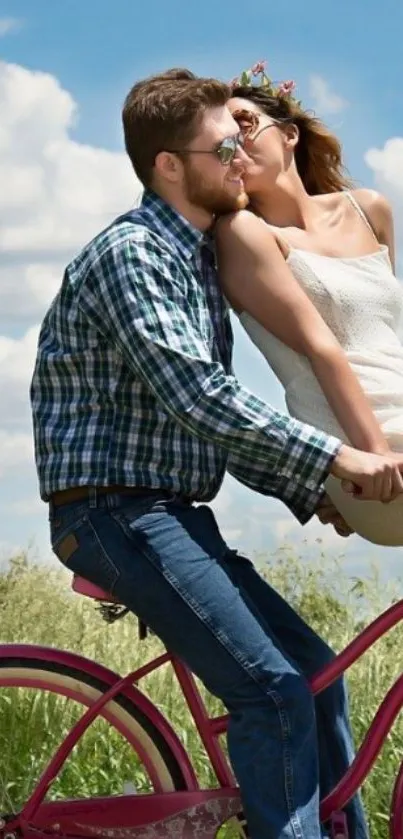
[[259, 67], [286, 88], [234, 82]]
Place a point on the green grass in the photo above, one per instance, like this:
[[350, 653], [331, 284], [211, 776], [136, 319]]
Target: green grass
[[38, 607]]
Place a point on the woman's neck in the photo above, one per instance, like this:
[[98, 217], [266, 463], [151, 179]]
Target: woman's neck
[[286, 205]]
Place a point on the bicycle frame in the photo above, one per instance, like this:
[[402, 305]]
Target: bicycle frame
[[209, 730]]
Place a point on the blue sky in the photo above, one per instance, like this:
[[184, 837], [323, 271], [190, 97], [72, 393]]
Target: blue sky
[[65, 69], [97, 54]]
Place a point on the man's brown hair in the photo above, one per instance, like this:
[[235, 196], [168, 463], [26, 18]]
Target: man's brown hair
[[163, 113]]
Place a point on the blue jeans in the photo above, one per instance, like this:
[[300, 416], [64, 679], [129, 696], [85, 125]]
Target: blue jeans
[[167, 562]]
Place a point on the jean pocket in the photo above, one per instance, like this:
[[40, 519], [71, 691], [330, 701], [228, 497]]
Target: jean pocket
[[81, 548]]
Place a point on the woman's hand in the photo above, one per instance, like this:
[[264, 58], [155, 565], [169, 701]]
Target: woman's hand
[[367, 476], [328, 514]]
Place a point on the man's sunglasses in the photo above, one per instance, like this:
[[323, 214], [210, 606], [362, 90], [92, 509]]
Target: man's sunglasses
[[225, 151]]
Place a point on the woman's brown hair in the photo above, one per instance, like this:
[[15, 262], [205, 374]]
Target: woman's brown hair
[[318, 154]]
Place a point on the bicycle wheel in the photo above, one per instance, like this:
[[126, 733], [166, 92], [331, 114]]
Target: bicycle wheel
[[122, 751]]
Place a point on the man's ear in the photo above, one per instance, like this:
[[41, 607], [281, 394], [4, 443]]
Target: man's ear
[[168, 166]]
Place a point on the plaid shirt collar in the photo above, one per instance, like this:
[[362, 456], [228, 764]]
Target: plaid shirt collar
[[172, 226]]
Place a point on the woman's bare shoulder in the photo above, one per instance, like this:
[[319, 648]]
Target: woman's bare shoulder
[[243, 226], [238, 221], [374, 205]]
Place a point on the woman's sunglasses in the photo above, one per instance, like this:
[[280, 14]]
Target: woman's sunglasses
[[249, 122]]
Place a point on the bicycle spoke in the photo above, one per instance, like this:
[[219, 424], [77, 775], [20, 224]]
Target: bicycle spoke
[[33, 724]]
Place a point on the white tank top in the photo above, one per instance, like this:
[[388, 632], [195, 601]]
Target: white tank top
[[361, 301]]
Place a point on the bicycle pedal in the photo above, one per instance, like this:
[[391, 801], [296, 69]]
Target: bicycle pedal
[[338, 825]]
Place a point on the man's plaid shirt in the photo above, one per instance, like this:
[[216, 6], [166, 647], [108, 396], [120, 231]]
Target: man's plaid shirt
[[133, 382]]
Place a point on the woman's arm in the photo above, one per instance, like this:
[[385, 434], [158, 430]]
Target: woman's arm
[[379, 214], [256, 278]]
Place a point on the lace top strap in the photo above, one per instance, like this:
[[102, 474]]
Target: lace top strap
[[361, 213]]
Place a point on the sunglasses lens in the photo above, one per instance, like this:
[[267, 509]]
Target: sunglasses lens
[[226, 155], [248, 121], [227, 150]]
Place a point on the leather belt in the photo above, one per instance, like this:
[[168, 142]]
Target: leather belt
[[69, 496]]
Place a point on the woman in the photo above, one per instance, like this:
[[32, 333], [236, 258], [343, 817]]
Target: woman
[[309, 269]]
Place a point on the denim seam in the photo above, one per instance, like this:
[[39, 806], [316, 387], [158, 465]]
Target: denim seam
[[105, 554], [271, 694], [274, 696]]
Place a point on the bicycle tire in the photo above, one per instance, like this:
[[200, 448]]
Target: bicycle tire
[[121, 712]]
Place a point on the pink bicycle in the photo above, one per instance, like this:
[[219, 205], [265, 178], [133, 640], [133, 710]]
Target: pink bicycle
[[168, 801]]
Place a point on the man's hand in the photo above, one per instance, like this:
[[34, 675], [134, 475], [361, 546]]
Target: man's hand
[[328, 514], [369, 477]]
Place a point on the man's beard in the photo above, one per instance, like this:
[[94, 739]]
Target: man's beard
[[213, 199]]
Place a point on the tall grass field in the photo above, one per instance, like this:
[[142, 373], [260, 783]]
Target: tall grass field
[[38, 607]]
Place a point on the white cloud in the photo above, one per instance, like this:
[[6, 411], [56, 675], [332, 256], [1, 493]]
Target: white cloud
[[387, 166], [26, 288], [325, 101], [16, 451], [288, 530], [16, 364], [9, 24], [56, 193], [30, 505]]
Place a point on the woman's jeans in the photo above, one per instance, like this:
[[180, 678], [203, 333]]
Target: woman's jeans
[[167, 562]]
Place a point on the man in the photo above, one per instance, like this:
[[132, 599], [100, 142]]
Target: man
[[137, 415]]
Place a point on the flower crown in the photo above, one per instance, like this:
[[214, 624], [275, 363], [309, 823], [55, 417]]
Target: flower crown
[[282, 90]]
